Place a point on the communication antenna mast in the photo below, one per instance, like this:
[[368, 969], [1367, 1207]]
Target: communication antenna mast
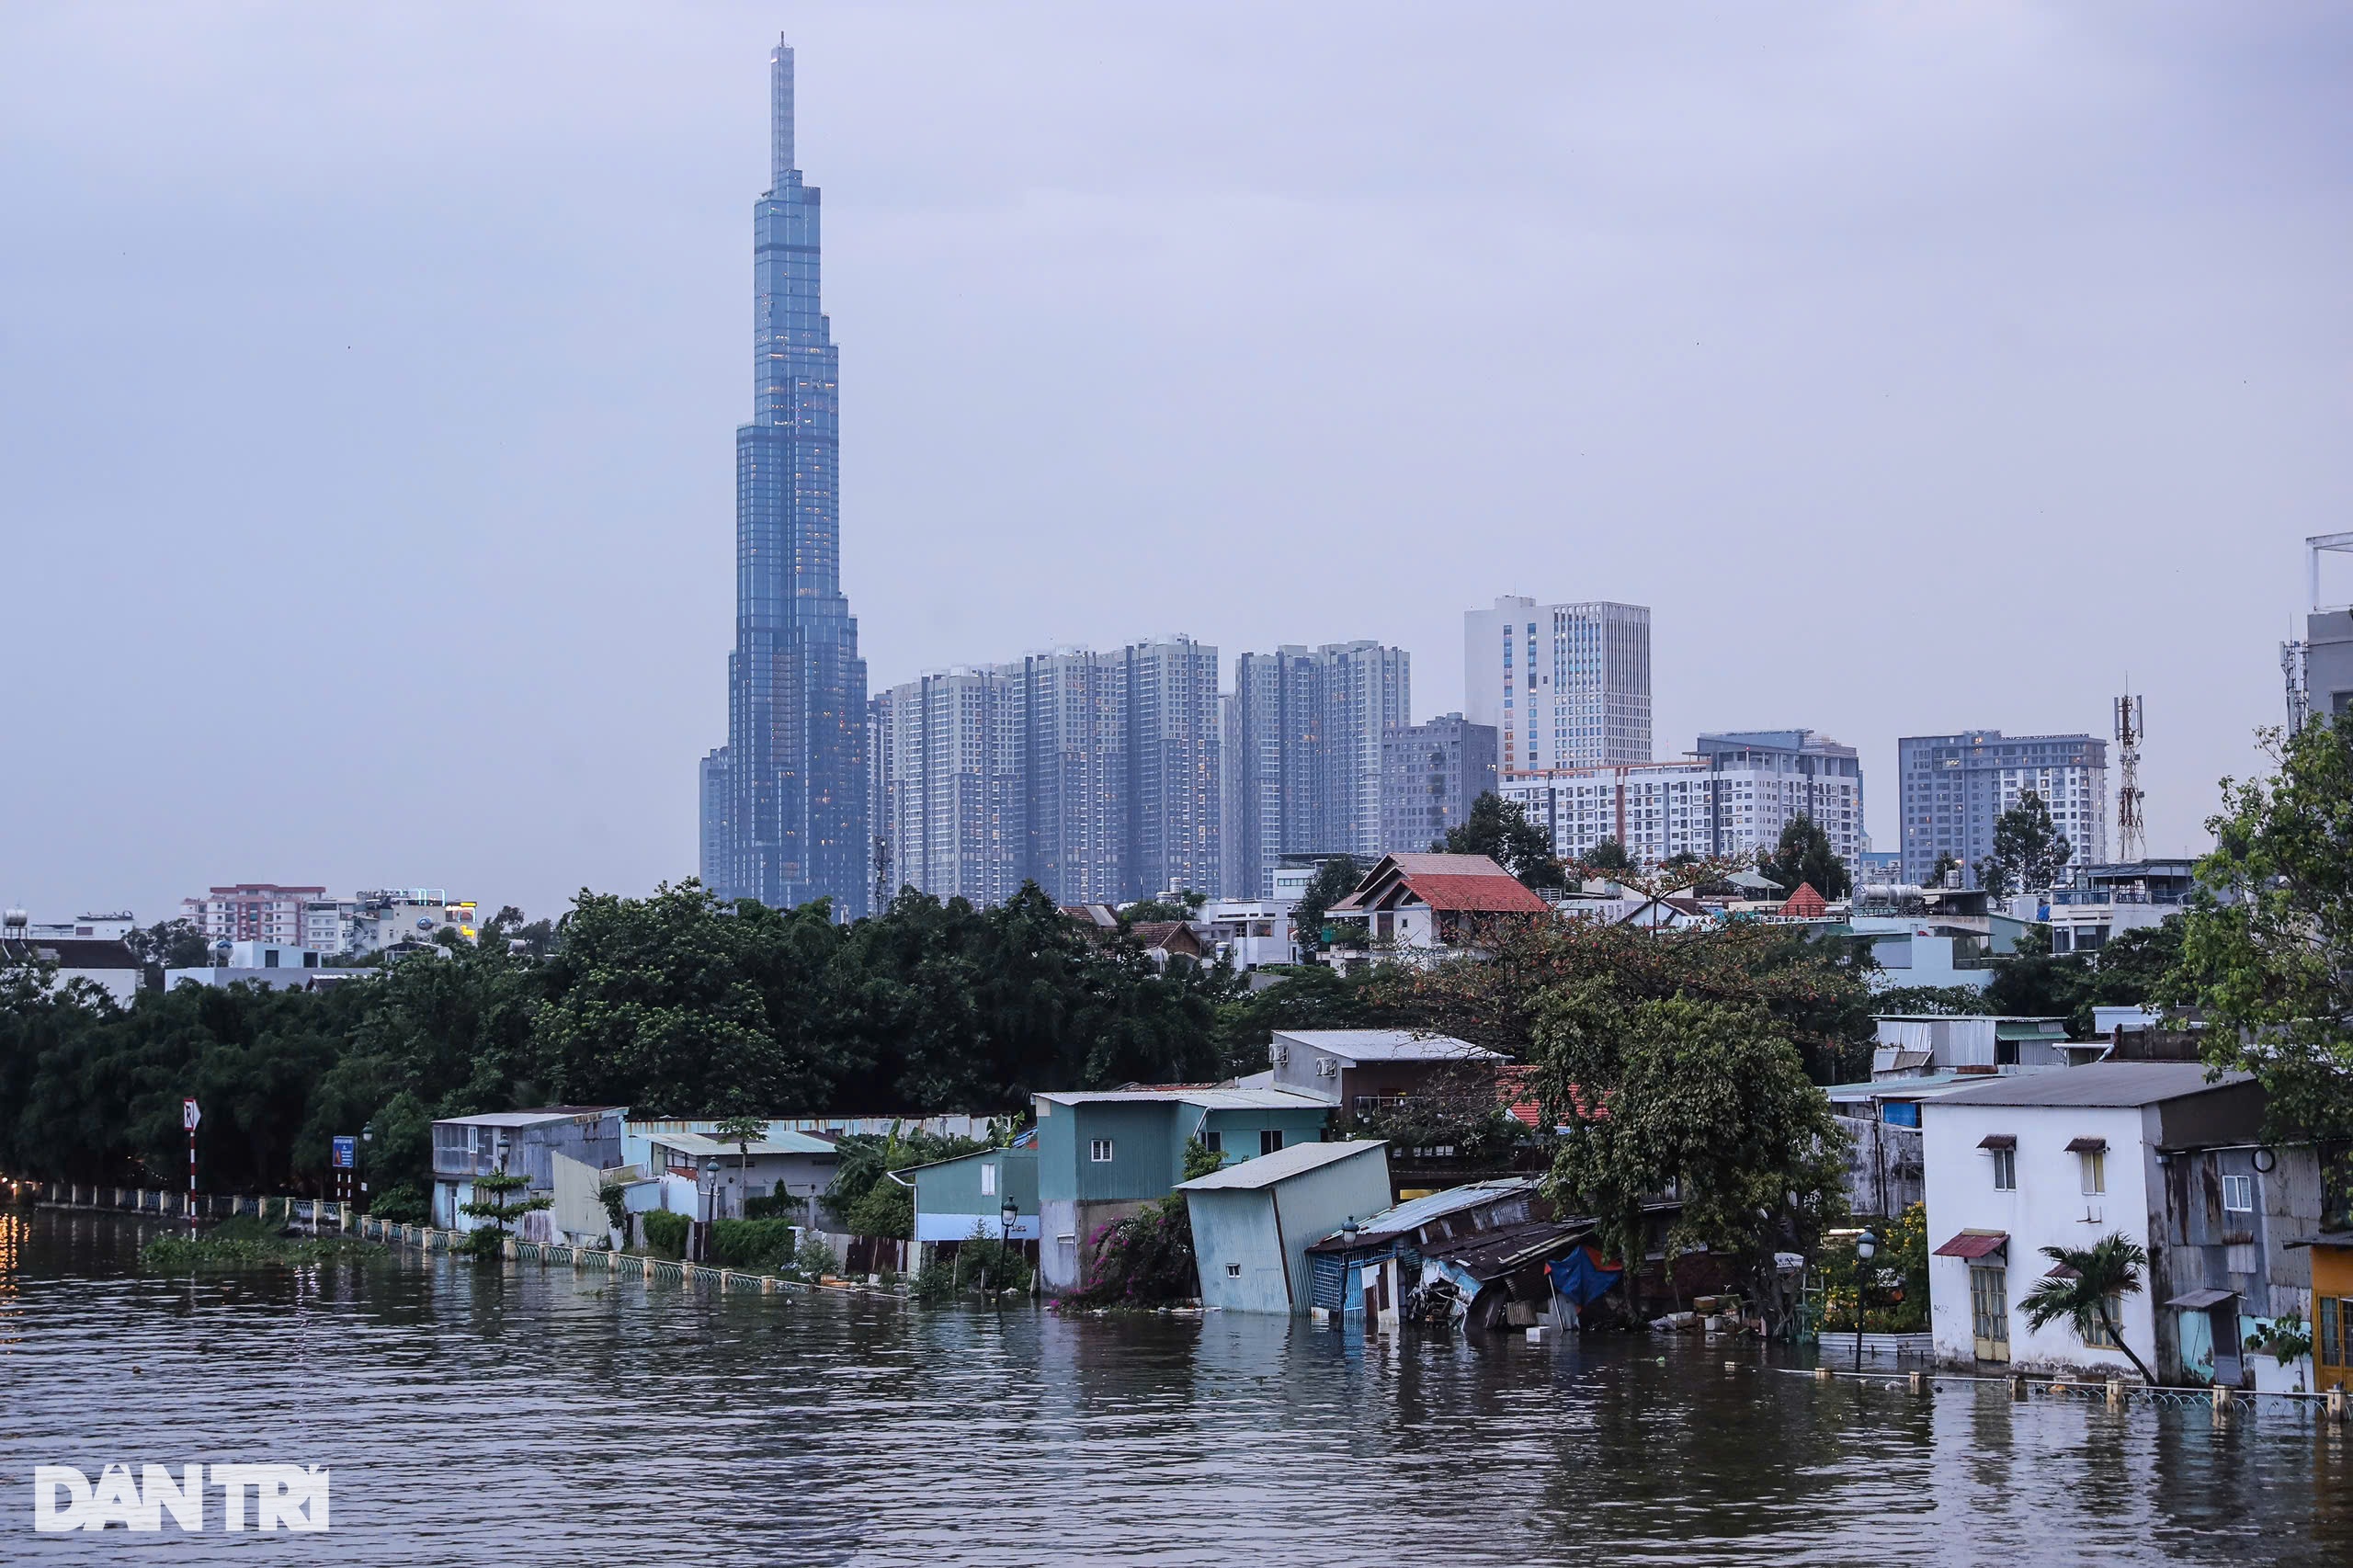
[[2132, 724], [881, 873]]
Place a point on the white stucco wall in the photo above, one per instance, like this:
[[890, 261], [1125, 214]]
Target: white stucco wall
[[2047, 1209]]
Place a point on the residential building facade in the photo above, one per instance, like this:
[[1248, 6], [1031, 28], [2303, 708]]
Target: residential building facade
[[266, 911], [1094, 775], [1732, 796], [784, 802], [1103, 1154], [1431, 774], [1564, 686], [1304, 733], [1952, 789], [2062, 1159]]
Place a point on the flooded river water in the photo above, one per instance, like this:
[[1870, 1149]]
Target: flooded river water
[[525, 1414]]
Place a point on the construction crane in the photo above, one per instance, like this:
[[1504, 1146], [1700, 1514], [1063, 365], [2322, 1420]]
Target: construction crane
[[2131, 723]]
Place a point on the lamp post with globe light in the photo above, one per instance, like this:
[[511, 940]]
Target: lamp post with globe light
[[1866, 1248]]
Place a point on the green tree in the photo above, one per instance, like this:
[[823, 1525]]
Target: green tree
[[1500, 830], [2268, 952], [1606, 857], [2029, 852], [1805, 855], [2084, 1287], [1948, 1001], [1334, 881], [1815, 988], [1309, 997], [1710, 1099], [495, 1200], [171, 944], [1185, 905], [742, 1131]]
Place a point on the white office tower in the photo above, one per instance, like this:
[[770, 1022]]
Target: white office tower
[[1565, 686]]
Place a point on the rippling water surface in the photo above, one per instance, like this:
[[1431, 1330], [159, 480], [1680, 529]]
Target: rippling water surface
[[527, 1414]]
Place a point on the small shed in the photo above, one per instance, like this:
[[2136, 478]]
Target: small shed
[[1253, 1221]]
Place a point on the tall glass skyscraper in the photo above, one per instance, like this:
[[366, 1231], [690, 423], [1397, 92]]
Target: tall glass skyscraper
[[784, 802]]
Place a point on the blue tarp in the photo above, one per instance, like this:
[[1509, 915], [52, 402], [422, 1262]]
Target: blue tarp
[[1583, 1277]]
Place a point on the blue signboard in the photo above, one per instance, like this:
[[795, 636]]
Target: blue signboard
[[347, 1149]]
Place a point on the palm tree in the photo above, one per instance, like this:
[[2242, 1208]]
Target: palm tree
[[742, 1131], [2079, 1290]]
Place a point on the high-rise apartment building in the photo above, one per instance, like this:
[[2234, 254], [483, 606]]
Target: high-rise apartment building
[[265, 912], [942, 751], [1304, 729], [1094, 775], [1431, 775], [1565, 686], [1953, 787], [1732, 796], [784, 802]]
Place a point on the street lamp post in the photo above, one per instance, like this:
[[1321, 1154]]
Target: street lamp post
[[1006, 1215], [711, 1205], [367, 1141], [1866, 1248]]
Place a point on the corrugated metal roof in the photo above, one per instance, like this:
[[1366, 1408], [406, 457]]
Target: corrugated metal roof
[[1211, 1099], [2097, 1084], [1974, 1244], [526, 1118], [1282, 1164], [1391, 1045], [1415, 1212], [703, 1144]]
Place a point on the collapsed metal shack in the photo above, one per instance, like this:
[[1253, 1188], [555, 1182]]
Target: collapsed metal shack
[[1491, 1255]]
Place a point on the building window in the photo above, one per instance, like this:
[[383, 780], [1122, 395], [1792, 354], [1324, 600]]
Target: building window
[[1099, 1150], [2006, 1170], [988, 1181], [2099, 1338], [2333, 1341], [1214, 1141], [1234, 1271], [2095, 1171], [1270, 1140], [2238, 1194]]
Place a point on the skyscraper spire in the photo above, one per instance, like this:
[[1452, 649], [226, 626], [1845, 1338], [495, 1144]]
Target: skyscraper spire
[[784, 802], [780, 163]]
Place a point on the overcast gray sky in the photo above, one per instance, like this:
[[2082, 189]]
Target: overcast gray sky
[[368, 377]]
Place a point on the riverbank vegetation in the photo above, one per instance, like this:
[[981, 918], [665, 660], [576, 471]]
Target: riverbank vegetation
[[244, 1242]]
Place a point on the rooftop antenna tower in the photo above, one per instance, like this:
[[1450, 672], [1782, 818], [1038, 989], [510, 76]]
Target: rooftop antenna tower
[[2131, 723]]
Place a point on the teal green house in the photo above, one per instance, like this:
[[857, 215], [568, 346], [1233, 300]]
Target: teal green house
[[1103, 1154], [953, 1197]]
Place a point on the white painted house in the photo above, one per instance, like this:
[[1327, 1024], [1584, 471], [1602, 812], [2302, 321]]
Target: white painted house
[[2062, 1158]]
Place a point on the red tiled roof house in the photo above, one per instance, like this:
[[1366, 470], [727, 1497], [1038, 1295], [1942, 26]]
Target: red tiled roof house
[[1422, 908]]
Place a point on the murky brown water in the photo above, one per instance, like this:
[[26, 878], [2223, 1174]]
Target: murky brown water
[[535, 1415]]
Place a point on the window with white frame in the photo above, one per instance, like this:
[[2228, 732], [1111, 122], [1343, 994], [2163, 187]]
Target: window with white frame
[[1099, 1150], [2238, 1194], [2006, 1170], [988, 1181], [2095, 1171]]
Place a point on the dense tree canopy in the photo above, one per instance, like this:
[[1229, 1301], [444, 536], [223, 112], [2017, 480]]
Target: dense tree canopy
[[1500, 830], [2268, 955], [675, 1005], [1805, 855], [2029, 852], [1815, 990], [1707, 1099]]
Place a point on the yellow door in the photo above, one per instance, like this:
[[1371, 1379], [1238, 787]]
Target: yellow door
[[1989, 1312]]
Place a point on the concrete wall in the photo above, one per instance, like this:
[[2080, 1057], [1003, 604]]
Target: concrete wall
[[2048, 1208]]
